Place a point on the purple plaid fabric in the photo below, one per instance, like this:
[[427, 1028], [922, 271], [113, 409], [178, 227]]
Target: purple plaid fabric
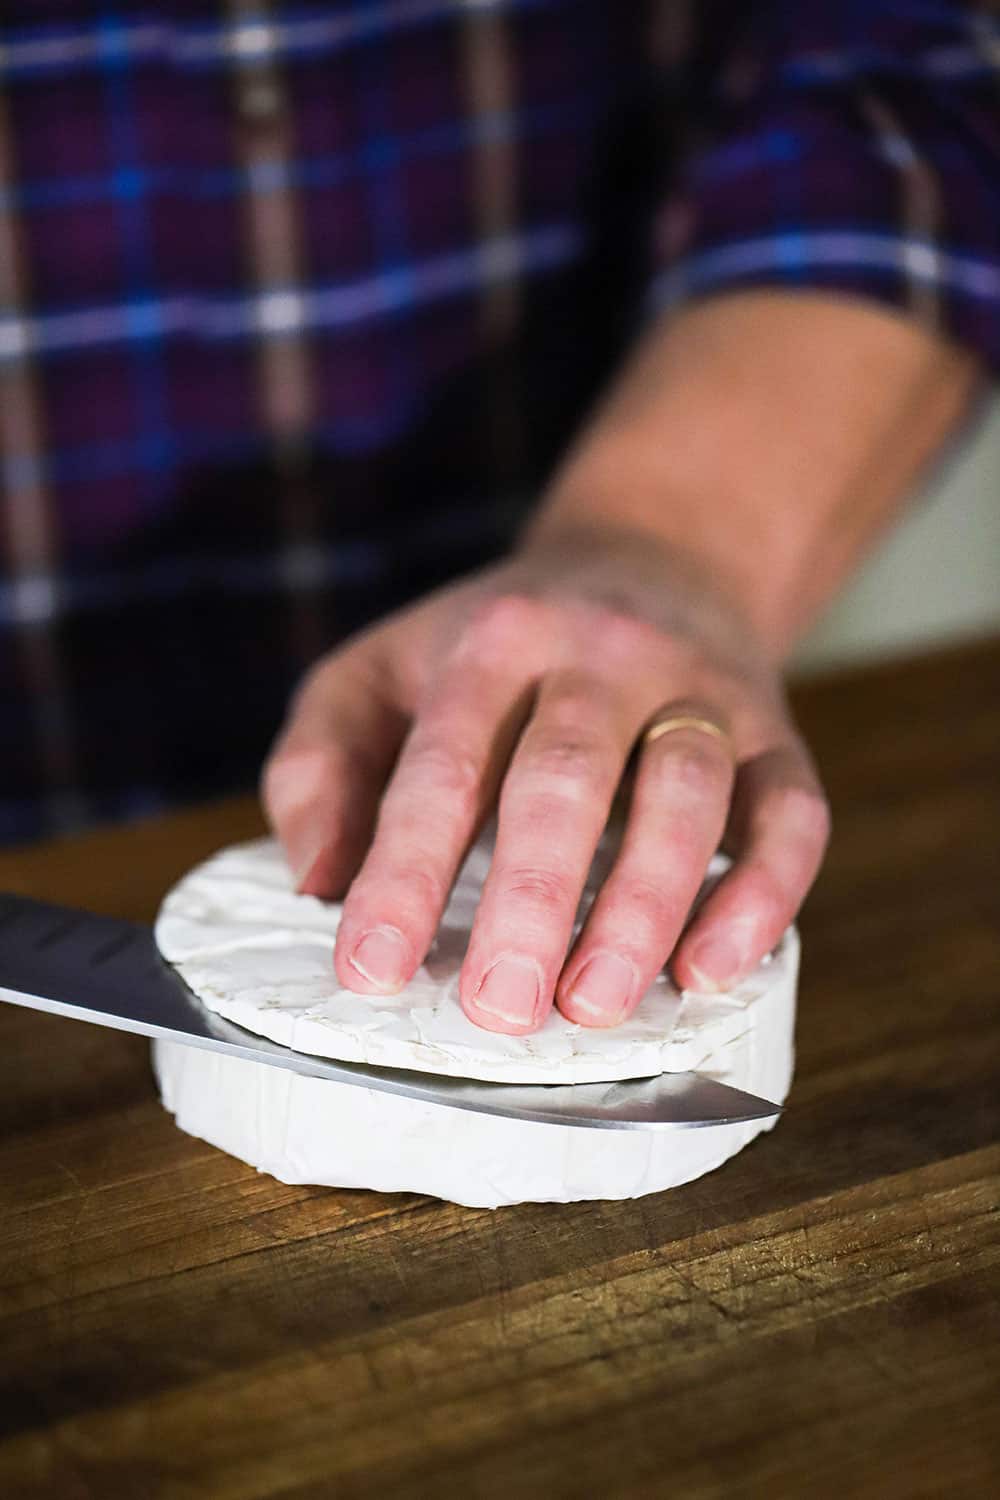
[[300, 303]]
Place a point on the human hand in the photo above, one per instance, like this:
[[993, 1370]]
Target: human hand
[[531, 683]]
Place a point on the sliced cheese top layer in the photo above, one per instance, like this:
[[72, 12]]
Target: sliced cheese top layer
[[261, 955]]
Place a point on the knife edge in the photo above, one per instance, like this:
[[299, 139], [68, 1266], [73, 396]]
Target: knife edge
[[119, 980]]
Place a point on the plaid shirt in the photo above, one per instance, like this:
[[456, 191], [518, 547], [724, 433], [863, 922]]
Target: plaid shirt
[[299, 303]]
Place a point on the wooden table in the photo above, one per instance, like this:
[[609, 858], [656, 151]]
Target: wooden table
[[819, 1317]]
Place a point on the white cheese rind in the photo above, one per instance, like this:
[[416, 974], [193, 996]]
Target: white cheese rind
[[309, 1130], [234, 927]]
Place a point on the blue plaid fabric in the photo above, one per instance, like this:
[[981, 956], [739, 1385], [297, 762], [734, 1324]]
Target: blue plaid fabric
[[299, 305]]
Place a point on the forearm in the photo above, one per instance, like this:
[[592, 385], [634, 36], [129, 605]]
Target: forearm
[[767, 438]]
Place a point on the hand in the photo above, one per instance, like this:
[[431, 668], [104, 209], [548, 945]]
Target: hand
[[531, 682]]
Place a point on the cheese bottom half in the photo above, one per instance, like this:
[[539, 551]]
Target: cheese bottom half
[[309, 1130]]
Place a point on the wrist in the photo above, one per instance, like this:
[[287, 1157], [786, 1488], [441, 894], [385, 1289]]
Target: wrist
[[766, 439], [595, 557], [708, 560]]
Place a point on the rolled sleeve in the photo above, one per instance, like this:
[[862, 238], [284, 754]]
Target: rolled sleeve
[[854, 149]]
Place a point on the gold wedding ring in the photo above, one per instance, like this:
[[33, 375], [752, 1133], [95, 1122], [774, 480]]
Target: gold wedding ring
[[684, 721]]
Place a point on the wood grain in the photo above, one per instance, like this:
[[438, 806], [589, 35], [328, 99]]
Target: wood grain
[[819, 1317]]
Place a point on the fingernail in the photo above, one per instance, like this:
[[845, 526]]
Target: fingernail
[[719, 959], [510, 990], [603, 988], [381, 957]]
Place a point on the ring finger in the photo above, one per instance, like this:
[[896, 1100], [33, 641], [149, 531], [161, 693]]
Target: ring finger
[[679, 807]]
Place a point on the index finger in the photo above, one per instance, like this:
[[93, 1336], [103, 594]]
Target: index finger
[[439, 793], [321, 781]]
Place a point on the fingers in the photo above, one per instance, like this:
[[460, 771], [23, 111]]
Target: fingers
[[553, 808], [781, 825], [679, 809], [334, 761], [445, 780], [322, 780]]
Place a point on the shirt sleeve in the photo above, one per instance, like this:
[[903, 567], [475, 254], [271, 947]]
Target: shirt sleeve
[[852, 145]]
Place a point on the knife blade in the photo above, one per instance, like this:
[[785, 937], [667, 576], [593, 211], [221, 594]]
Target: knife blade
[[109, 971]]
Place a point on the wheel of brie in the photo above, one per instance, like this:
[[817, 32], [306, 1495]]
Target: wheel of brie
[[258, 953]]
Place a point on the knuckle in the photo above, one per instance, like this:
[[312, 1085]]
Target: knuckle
[[570, 766], [545, 890], [318, 687], [567, 752], [644, 901], [295, 775], [505, 620], [448, 772], [802, 812], [695, 764], [764, 899], [424, 885], [570, 702], [410, 889], [619, 633], [626, 642]]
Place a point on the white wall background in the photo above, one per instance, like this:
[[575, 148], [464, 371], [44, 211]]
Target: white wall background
[[937, 577]]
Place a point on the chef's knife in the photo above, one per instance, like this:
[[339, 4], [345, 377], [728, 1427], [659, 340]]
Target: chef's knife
[[109, 971]]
